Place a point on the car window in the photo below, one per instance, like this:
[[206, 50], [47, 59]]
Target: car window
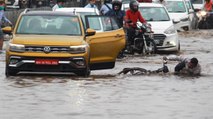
[[175, 6], [154, 13], [105, 23], [86, 13], [49, 25], [189, 5]]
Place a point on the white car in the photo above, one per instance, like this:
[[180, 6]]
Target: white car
[[165, 34], [183, 12], [198, 4], [83, 12]]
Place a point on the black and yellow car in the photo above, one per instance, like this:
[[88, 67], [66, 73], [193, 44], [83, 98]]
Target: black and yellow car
[[46, 41]]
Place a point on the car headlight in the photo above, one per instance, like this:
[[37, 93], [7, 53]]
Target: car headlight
[[78, 49], [16, 47], [201, 13], [170, 30]]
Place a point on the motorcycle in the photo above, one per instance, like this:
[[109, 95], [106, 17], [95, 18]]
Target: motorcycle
[[205, 20], [143, 42], [138, 70]]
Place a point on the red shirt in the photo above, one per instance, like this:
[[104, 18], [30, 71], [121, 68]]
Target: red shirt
[[134, 16], [208, 6]]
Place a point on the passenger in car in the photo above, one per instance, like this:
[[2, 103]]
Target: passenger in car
[[34, 26]]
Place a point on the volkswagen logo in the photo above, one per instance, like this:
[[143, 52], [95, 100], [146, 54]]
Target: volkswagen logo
[[47, 49]]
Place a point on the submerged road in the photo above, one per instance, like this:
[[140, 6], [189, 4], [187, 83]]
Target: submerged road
[[106, 95]]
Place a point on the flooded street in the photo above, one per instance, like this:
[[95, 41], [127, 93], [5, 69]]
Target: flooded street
[[107, 95]]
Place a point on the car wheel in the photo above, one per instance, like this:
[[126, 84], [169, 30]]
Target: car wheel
[[84, 73], [10, 72]]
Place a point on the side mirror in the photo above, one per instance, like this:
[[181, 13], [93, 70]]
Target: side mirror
[[191, 11], [90, 32], [175, 21], [7, 29], [185, 18]]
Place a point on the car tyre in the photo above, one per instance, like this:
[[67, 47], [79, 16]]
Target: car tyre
[[84, 73], [9, 72]]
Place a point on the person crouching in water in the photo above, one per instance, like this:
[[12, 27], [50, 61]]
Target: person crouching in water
[[186, 65]]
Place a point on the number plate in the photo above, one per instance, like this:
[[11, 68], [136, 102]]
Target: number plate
[[46, 62]]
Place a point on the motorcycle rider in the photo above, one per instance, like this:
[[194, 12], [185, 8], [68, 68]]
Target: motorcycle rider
[[208, 5], [131, 19], [185, 65]]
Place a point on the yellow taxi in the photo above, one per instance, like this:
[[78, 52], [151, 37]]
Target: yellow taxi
[[46, 41]]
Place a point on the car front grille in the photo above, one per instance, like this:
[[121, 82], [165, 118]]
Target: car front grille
[[46, 49], [159, 39]]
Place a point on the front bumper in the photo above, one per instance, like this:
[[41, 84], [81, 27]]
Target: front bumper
[[70, 64], [167, 42]]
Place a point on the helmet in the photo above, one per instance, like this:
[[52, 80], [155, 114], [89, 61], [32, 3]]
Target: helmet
[[116, 5], [133, 5], [107, 1]]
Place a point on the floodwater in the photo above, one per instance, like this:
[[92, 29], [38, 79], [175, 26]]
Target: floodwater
[[106, 95]]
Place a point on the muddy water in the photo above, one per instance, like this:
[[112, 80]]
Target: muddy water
[[106, 95]]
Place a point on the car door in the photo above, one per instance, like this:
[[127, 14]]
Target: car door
[[105, 44]]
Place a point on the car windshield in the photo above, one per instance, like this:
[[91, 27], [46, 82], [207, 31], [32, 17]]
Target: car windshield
[[49, 25], [154, 13], [175, 6], [197, 1]]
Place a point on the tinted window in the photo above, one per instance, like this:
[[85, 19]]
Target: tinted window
[[49, 25], [154, 13], [104, 23]]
